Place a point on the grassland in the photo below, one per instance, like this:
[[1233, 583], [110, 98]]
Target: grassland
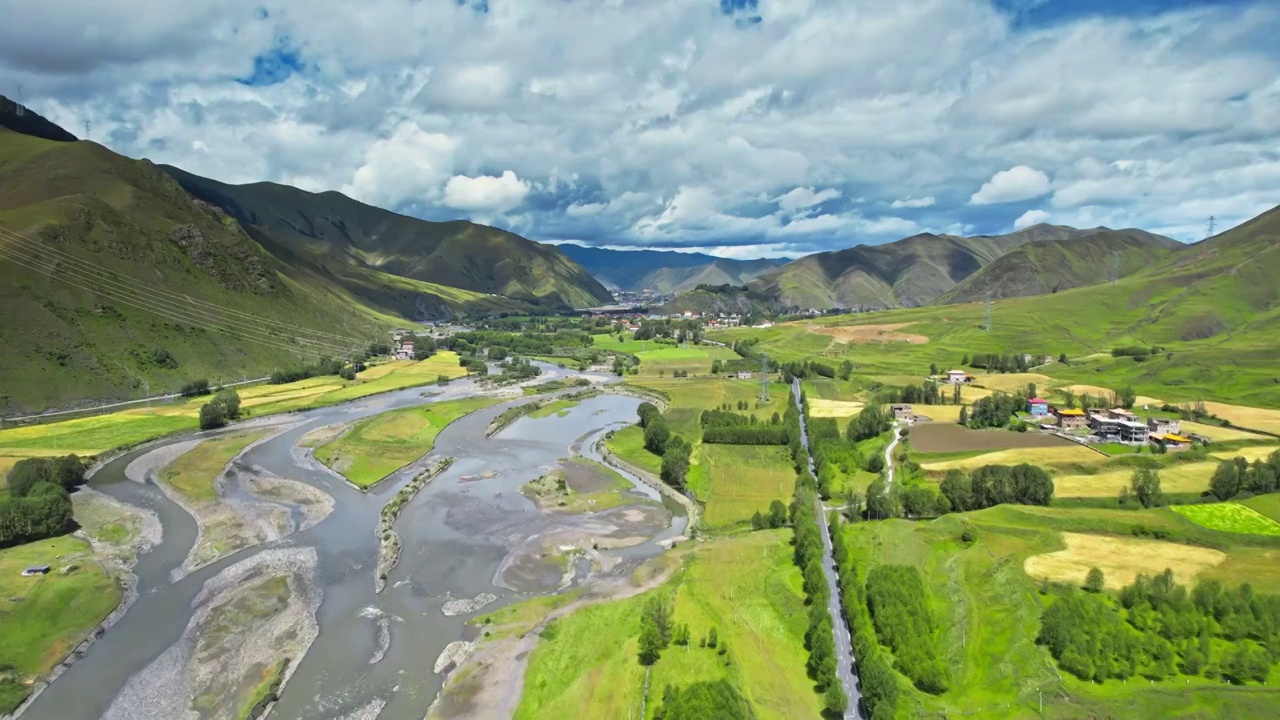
[[378, 446], [194, 474], [1063, 454], [736, 481], [559, 407], [1174, 479], [1230, 517], [1121, 560], [821, 408], [745, 587], [89, 436], [580, 486], [55, 611], [989, 609], [659, 359]]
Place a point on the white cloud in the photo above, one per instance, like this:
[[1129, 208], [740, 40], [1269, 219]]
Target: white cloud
[[1029, 218], [804, 197], [408, 165], [1016, 183], [485, 193], [607, 111], [923, 202]]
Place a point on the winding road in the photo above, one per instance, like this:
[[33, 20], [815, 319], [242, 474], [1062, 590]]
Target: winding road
[[845, 666]]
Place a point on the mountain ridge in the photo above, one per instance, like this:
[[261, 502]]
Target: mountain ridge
[[664, 272]]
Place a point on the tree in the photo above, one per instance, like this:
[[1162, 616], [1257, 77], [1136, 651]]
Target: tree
[[212, 416], [1229, 479], [1145, 485], [1095, 581], [647, 411], [656, 435], [956, 488], [917, 501], [846, 370], [880, 502], [1062, 358], [1126, 397], [933, 369], [712, 638], [230, 401], [777, 514], [675, 461], [964, 412]]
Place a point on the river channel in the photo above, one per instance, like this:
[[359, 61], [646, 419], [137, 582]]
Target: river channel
[[467, 532]]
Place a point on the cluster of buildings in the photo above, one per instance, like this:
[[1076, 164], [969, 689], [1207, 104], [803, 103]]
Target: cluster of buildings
[[1112, 425]]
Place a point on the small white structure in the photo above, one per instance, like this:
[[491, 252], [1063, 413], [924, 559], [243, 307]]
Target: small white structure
[[956, 377]]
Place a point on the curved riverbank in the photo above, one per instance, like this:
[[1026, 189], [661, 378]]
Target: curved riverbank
[[388, 539]]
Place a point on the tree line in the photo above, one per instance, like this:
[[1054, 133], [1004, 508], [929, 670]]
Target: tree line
[[38, 504], [876, 676], [820, 636], [674, 450], [992, 485], [1237, 477], [1000, 362], [717, 699], [1156, 628], [222, 409], [521, 343], [729, 428]]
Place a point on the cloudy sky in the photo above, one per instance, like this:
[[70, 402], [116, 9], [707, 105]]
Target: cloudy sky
[[745, 127]]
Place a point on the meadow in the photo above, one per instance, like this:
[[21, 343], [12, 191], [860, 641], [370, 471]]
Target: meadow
[[53, 612], [746, 588], [1229, 517], [194, 474], [736, 481], [380, 445], [939, 437]]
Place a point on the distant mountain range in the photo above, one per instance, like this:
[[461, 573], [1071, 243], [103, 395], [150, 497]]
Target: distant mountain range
[[664, 272]]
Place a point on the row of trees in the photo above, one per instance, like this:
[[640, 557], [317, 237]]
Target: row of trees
[[1001, 362], [38, 504], [991, 485], [659, 440], [323, 366], [898, 602], [871, 421], [876, 677], [1157, 629], [1238, 477], [559, 342], [820, 636], [717, 699]]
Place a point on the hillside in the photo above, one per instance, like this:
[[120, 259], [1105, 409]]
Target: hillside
[[662, 271], [21, 119], [906, 273], [360, 246], [1049, 266], [112, 275]]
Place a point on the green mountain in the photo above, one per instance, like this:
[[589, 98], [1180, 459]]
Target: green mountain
[[376, 254], [1049, 266], [907, 273], [113, 279], [664, 272]]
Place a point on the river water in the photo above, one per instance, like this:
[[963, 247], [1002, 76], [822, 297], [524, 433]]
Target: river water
[[459, 532]]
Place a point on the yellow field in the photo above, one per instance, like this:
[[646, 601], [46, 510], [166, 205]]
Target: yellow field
[[1121, 560], [939, 413], [1261, 452], [820, 408], [1220, 434], [374, 372], [1010, 382], [1099, 391], [1247, 417], [1185, 478], [1036, 456]]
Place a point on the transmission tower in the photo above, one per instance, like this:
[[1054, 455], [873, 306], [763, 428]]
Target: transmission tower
[[1115, 267], [1212, 220], [986, 321], [764, 378], [87, 125], [20, 110]]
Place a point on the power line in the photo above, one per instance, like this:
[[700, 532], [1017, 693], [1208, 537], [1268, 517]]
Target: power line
[[123, 279], [189, 316], [269, 341]]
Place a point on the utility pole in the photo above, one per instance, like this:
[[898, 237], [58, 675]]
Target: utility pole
[[764, 378]]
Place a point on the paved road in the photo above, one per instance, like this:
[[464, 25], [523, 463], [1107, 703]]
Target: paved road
[[845, 668]]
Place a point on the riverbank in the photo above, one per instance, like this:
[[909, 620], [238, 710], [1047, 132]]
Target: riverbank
[[692, 508], [388, 539]]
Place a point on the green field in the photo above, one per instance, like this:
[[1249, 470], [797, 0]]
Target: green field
[[558, 407], [194, 474], [745, 587], [55, 611], [1230, 517], [659, 359], [737, 481], [102, 433], [378, 446], [989, 610]]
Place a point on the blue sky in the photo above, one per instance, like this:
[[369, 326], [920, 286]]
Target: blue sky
[[738, 127]]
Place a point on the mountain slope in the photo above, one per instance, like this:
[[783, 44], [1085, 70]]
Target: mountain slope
[[1048, 266], [358, 245], [662, 271], [909, 272], [21, 119], [111, 274]]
